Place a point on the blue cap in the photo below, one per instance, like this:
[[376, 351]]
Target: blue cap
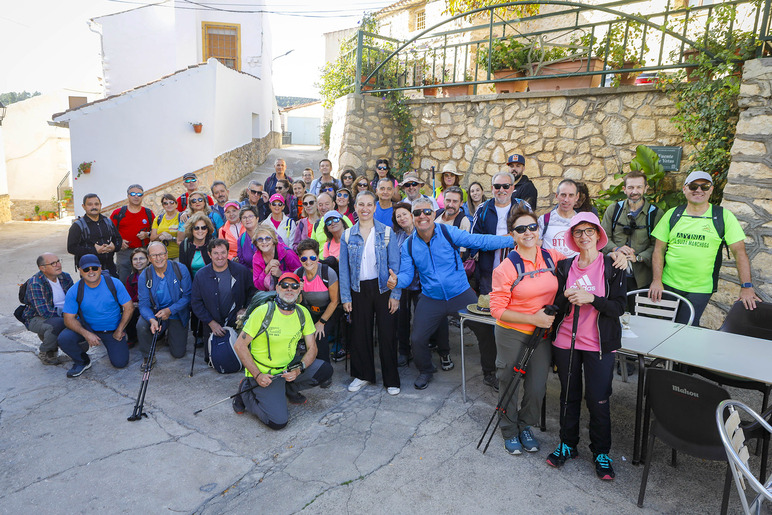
[[332, 214], [516, 158], [88, 260]]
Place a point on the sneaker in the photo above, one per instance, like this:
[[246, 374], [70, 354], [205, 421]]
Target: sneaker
[[356, 385], [491, 380], [238, 402], [49, 358], [402, 360], [393, 390], [338, 355], [560, 455], [603, 467], [422, 381], [530, 443], [446, 362], [513, 446], [199, 342], [144, 367], [326, 383], [294, 396], [77, 370]]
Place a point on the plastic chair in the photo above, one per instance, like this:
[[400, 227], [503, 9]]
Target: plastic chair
[[734, 436], [684, 418], [665, 309]]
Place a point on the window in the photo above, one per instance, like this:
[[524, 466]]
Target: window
[[223, 43], [420, 20]]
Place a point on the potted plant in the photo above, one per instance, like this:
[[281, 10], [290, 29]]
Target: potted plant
[[507, 57], [621, 48], [197, 127], [558, 60], [85, 167], [461, 89], [36, 216], [431, 91]]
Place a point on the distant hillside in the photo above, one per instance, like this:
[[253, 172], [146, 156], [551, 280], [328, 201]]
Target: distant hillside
[[293, 101]]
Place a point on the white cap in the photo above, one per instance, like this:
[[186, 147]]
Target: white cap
[[698, 174]]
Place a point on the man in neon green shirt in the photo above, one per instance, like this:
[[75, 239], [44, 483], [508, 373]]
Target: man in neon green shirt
[[686, 252], [269, 356]]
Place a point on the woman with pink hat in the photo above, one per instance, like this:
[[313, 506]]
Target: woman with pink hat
[[232, 229], [281, 223], [591, 297]]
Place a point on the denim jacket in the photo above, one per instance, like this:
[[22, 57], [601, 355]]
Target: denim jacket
[[386, 257]]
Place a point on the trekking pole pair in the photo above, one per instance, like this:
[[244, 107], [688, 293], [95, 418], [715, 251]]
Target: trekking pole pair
[[137, 414], [517, 374]]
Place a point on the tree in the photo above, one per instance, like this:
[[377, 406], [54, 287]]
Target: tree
[[12, 97]]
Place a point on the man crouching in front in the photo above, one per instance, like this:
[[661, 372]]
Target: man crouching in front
[[269, 351]]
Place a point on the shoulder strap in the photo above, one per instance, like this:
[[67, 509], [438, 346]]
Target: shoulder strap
[[676, 215], [121, 215], [517, 261], [546, 221], [650, 218], [346, 234], [184, 201], [459, 218], [444, 231], [615, 216], [81, 292], [159, 219], [149, 285], [325, 273], [149, 215], [84, 230], [387, 236], [111, 286]]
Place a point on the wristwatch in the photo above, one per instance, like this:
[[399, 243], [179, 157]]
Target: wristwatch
[[302, 367], [746, 285], [638, 258]]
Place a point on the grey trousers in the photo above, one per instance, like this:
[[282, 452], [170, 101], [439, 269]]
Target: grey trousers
[[177, 338], [123, 263], [510, 345], [48, 330]]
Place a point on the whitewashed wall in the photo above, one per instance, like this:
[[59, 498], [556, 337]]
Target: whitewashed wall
[[3, 173]]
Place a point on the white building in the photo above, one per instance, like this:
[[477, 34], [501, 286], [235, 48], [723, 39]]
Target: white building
[[157, 89], [304, 122]]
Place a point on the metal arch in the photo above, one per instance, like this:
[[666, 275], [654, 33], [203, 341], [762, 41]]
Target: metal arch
[[567, 3]]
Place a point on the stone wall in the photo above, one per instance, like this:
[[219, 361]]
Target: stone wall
[[21, 208], [229, 168], [583, 134], [5, 208], [748, 193]]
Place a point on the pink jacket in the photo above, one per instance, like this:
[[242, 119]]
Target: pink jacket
[[289, 263]]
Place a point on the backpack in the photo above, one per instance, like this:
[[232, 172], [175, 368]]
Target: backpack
[[149, 280], [618, 211], [108, 279], [444, 231], [122, 214], [19, 311], [718, 224], [266, 297], [222, 355], [483, 208], [325, 273], [517, 261], [456, 221], [85, 231]]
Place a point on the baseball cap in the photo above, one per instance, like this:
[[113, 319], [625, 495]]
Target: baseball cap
[[231, 204], [88, 260], [190, 175], [697, 175], [516, 158], [332, 214], [289, 275], [276, 196]]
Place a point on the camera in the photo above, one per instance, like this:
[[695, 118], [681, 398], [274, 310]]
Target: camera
[[631, 225]]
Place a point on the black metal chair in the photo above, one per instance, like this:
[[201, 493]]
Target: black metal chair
[[757, 324], [684, 409]]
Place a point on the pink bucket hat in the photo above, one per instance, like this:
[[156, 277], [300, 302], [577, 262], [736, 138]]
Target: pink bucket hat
[[588, 217]]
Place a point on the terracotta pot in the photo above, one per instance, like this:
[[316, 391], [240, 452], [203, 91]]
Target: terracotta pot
[[510, 87], [582, 81], [198, 127], [458, 91], [87, 169], [28, 219], [628, 78], [36, 218], [430, 92]]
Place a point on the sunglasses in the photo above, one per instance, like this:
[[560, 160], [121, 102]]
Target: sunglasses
[[382, 168], [500, 186], [311, 203], [200, 228], [411, 184], [191, 180], [705, 186], [264, 239], [256, 192], [277, 203], [169, 203], [136, 194], [91, 269], [589, 231], [331, 220], [279, 188], [520, 229], [196, 200], [343, 194], [425, 211], [328, 190], [306, 258], [362, 185], [284, 285]]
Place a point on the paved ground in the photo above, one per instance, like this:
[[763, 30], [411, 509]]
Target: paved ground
[[66, 446]]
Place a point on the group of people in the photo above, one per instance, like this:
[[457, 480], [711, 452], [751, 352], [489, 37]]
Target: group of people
[[356, 255]]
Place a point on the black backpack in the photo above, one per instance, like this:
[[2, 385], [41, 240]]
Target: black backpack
[[517, 261], [19, 311], [85, 231], [325, 273], [650, 215], [108, 279], [718, 224], [122, 214], [456, 221]]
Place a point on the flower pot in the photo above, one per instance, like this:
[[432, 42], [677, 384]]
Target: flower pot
[[370, 83], [36, 218], [28, 219], [198, 127], [628, 78], [458, 91], [87, 169], [560, 67], [510, 87], [430, 92]]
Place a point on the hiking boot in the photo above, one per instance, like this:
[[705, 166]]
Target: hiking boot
[[326, 383], [144, 367], [238, 402], [560, 455], [403, 361], [422, 381], [603, 467], [491, 380], [77, 370], [513, 446], [294, 396], [446, 362], [530, 443], [49, 358]]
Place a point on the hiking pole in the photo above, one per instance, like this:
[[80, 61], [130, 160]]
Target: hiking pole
[[288, 369], [138, 413], [574, 327], [517, 373], [192, 363]]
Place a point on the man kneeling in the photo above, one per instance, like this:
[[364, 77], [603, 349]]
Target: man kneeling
[[268, 351]]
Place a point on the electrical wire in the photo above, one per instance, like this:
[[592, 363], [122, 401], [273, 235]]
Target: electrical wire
[[342, 13]]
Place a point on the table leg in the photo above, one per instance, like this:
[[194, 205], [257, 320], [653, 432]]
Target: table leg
[[638, 411], [463, 368]]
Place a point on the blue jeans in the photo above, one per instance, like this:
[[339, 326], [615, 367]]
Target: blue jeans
[[75, 346], [698, 300]]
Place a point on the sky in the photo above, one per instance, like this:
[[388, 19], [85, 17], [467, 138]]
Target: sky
[[46, 45]]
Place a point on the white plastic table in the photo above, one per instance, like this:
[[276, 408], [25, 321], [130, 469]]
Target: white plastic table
[[465, 315]]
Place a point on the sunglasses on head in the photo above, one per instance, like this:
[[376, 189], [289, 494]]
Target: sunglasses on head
[[332, 220], [200, 228], [705, 186], [196, 200], [309, 203], [303, 259], [520, 229], [284, 285], [343, 194], [91, 269], [411, 184], [500, 186], [136, 193], [425, 211], [277, 203], [191, 180]]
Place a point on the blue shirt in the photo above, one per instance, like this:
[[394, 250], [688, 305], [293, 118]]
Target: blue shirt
[[384, 215], [168, 292], [99, 309]]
